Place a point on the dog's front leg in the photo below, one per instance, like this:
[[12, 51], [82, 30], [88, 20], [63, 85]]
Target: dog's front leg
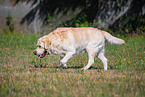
[[62, 65], [64, 60]]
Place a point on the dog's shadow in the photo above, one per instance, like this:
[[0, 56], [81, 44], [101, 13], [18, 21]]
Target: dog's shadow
[[68, 67]]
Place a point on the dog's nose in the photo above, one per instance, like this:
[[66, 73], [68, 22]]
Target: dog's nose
[[34, 52]]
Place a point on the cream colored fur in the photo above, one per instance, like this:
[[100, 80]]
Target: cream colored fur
[[66, 42]]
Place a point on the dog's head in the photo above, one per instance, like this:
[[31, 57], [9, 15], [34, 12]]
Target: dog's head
[[42, 47]]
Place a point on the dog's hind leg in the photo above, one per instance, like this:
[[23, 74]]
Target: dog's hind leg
[[91, 55], [92, 51], [103, 59]]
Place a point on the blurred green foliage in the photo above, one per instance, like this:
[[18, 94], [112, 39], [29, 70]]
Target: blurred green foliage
[[91, 12], [9, 23]]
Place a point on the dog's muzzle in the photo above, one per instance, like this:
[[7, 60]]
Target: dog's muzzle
[[42, 55], [35, 53]]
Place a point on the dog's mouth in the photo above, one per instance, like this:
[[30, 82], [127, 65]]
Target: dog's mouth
[[43, 54]]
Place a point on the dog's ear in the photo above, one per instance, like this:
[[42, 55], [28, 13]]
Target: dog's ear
[[47, 42]]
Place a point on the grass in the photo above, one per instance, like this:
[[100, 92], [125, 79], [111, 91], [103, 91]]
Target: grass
[[22, 74]]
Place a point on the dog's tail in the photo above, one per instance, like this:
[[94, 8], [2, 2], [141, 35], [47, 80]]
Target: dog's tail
[[113, 40]]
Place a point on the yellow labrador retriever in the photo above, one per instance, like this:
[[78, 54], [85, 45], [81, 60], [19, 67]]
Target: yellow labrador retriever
[[66, 42]]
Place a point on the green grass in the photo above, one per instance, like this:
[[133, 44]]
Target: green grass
[[22, 74]]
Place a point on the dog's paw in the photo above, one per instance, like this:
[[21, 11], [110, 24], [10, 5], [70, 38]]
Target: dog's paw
[[64, 66], [82, 69]]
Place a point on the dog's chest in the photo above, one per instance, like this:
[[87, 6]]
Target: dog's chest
[[57, 51]]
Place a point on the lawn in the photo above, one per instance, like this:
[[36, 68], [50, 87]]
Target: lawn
[[23, 75]]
